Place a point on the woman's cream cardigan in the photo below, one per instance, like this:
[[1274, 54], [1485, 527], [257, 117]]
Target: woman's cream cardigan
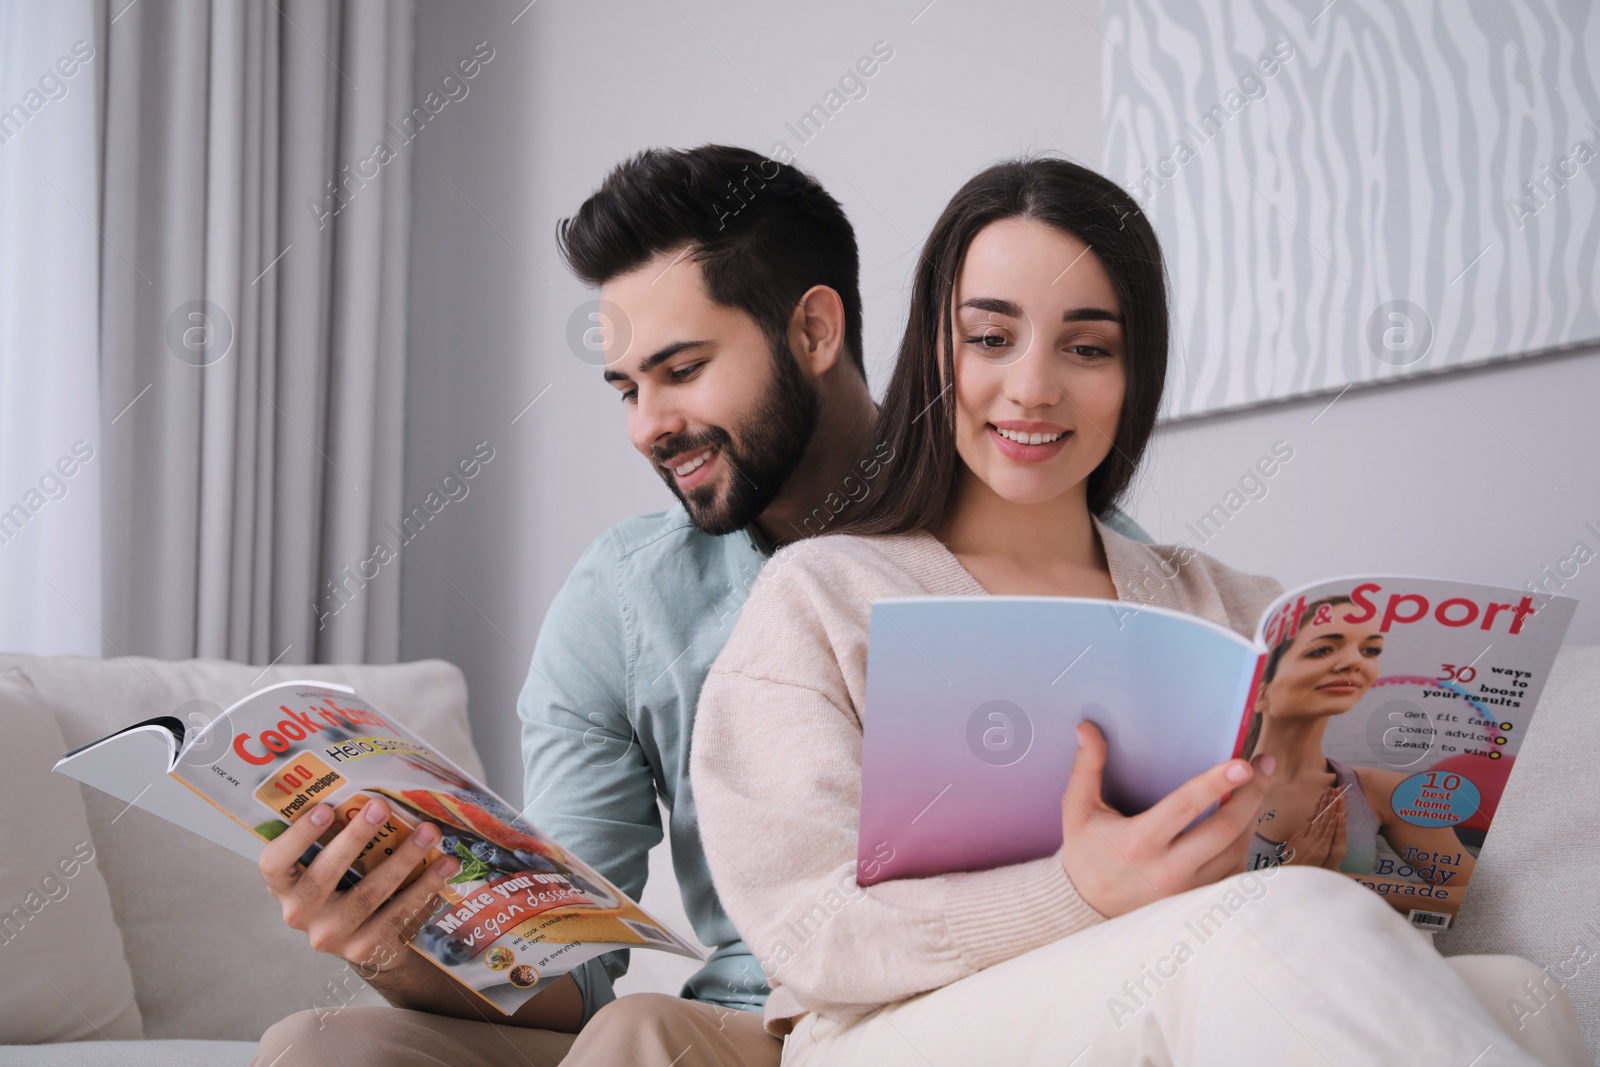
[[776, 765]]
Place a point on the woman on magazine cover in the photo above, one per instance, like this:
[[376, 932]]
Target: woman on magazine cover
[[1025, 391], [1319, 812]]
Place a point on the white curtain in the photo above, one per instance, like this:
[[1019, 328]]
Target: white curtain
[[51, 456], [246, 261]]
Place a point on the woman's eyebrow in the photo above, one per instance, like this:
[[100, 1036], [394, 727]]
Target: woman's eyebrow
[[1000, 306], [993, 304]]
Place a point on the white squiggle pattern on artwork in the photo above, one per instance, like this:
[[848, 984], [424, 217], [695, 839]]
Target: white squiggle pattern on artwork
[[1440, 153]]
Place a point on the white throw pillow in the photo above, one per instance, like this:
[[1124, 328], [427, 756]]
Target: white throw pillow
[[210, 953], [63, 974]]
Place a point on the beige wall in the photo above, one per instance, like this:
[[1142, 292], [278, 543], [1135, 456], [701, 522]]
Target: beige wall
[[1486, 474]]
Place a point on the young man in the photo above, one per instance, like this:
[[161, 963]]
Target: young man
[[733, 340]]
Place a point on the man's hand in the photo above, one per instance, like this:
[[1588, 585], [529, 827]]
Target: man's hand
[[1119, 863], [370, 924]]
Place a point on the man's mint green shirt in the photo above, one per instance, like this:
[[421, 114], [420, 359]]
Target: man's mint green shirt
[[608, 709]]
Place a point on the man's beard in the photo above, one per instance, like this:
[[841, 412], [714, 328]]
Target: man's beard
[[770, 444]]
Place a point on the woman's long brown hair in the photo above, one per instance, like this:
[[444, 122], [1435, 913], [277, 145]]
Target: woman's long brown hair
[[1274, 658], [917, 420]]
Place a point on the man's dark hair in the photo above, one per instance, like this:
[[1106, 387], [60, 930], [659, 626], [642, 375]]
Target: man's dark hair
[[762, 232]]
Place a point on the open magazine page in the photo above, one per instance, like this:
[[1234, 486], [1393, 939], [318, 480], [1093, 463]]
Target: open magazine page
[[520, 912], [1417, 694], [972, 706]]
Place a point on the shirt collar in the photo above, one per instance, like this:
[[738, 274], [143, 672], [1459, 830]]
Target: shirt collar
[[751, 532], [758, 540]]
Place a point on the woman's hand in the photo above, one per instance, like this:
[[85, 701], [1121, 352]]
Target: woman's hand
[[1321, 843], [1119, 863]]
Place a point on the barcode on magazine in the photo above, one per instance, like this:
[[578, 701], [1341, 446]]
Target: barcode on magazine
[[1436, 919], [649, 933]]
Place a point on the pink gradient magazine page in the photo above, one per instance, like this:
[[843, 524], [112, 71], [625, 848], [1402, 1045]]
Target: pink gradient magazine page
[[1408, 697]]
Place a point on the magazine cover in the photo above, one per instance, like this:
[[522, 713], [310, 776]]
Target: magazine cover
[[520, 912], [1416, 694], [1395, 708]]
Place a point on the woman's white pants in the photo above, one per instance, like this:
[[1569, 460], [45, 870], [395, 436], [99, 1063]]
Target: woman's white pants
[[1279, 967]]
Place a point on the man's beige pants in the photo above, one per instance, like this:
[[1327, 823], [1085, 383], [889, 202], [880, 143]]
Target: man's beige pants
[[643, 1029]]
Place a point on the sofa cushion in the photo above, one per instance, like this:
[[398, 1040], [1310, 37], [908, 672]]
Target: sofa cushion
[[210, 954], [1533, 891], [130, 1054], [63, 975]]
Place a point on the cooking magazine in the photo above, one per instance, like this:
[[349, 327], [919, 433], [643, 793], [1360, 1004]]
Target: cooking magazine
[[519, 913]]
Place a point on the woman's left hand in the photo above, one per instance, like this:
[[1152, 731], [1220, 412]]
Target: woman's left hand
[[1118, 862]]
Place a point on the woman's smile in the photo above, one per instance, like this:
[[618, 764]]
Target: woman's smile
[[1028, 442]]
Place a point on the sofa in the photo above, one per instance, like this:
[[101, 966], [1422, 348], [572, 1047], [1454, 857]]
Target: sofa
[[139, 943], [160, 948]]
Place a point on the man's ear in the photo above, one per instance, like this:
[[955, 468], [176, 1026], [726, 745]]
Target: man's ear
[[816, 330]]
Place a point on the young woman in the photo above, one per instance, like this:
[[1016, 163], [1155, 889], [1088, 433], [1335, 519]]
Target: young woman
[[1317, 811], [1025, 392]]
